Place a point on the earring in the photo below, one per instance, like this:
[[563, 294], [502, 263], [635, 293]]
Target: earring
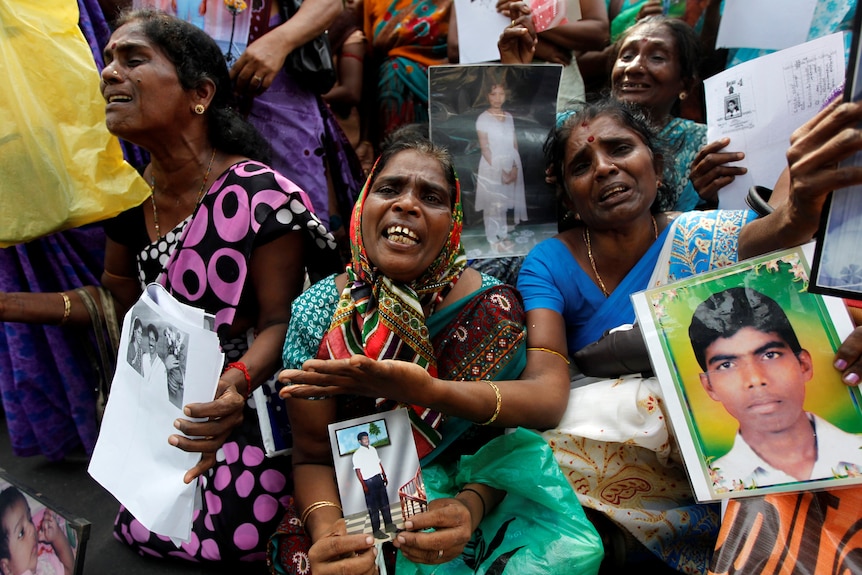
[[200, 109], [683, 95]]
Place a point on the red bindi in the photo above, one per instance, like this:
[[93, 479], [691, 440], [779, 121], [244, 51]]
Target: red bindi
[[591, 139]]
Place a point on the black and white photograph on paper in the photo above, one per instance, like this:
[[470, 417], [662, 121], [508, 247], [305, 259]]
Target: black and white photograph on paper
[[40, 536], [157, 350], [494, 119], [836, 268], [378, 473]]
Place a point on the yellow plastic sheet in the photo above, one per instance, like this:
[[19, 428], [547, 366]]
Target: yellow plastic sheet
[[59, 166]]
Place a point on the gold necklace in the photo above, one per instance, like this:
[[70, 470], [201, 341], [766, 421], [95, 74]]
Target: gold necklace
[[200, 194], [593, 261]]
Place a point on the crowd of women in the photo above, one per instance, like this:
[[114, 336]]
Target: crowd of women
[[251, 173]]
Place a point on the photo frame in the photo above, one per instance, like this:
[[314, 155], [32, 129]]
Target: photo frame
[[836, 269], [508, 208], [394, 473], [724, 394], [75, 531]]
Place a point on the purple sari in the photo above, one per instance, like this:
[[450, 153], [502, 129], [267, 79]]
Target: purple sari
[[47, 382]]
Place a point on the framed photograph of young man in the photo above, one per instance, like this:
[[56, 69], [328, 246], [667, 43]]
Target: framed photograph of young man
[[744, 358], [378, 474], [494, 119], [39, 536]]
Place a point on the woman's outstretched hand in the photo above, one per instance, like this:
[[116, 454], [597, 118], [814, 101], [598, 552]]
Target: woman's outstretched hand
[[221, 416], [358, 375]]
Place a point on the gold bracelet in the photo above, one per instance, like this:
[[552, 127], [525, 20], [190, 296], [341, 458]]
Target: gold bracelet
[[315, 506], [545, 349], [67, 308], [499, 399], [118, 277]]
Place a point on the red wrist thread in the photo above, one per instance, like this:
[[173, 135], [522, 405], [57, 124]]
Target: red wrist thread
[[241, 366]]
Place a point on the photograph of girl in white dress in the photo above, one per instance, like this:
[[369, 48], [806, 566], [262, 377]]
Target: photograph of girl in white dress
[[494, 119], [500, 186]]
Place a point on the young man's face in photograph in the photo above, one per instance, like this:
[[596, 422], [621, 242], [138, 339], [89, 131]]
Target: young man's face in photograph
[[758, 379]]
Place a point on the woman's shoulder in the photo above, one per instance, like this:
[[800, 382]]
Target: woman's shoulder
[[128, 228], [552, 247], [684, 127], [323, 293]]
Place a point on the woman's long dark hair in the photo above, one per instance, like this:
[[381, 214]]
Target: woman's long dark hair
[[197, 58]]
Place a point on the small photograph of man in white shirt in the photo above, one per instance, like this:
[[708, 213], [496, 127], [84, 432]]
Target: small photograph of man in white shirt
[[369, 470], [754, 365], [154, 368]]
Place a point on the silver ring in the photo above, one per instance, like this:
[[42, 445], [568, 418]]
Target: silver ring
[[258, 79], [440, 554]]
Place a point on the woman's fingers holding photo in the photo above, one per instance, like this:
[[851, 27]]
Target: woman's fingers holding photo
[[339, 553], [227, 407], [651, 8], [504, 8], [817, 151], [848, 358], [207, 436], [451, 523], [207, 460], [710, 170]]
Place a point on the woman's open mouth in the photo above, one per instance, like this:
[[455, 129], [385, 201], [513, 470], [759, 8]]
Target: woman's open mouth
[[401, 235]]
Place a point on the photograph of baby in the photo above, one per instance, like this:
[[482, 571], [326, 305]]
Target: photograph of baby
[[747, 353], [36, 538], [377, 468], [494, 118]]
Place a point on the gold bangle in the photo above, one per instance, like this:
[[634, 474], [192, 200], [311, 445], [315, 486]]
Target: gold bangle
[[315, 506], [545, 349], [67, 308], [499, 399], [118, 277]]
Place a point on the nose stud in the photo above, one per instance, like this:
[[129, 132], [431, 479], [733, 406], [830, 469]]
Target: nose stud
[[116, 73]]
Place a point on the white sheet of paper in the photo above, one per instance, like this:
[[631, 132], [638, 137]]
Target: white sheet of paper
[[764, 24], [479, 27], [132, 458], [573, 10], [773, 95]]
